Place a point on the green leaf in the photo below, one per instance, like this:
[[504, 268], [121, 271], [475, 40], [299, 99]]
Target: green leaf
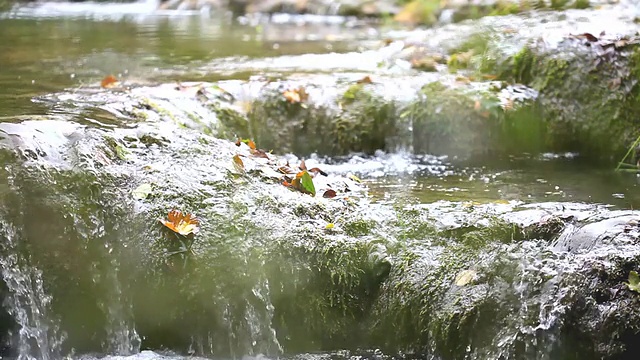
[[142, 191], [634, 282], [307, 183]]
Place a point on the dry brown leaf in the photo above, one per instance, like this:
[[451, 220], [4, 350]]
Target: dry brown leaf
[[329, 194]]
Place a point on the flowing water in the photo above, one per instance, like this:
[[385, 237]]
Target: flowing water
[[65, 46]]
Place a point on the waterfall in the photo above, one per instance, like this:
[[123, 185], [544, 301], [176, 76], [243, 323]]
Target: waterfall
[[39, 336], [122, 337]]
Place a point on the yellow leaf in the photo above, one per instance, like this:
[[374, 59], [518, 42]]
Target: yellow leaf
[[329, 226], [354, 178]]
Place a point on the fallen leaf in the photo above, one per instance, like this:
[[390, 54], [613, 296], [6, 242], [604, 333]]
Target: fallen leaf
[[306, 182], [354, 178], [238, 163], [365, 80], [249, 143], [329, 226], [303, 183], [329, 194], [302, 165], [634, 282], [465, 277], [296, 96], [317, 171], [259, 153], [285, 169], [109, 81], [183, 224], [142, 191]]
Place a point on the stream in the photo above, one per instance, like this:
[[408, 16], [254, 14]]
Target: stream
[[53, 55]]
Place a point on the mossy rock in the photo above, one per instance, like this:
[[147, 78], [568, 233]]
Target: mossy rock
[[465, 121], [589, 101], [361, 122]]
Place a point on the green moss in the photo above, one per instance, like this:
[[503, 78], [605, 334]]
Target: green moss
[[582, 4], [231, 123], [523, 63], [559, 4], [410, 226], [358, 228], [115, 149], [323, 292], [506, 8], [460, 60], [477, 43]]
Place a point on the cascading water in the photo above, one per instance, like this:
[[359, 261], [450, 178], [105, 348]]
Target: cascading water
[[38, 335], [122, 338]]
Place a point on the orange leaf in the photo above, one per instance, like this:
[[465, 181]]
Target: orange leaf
[[183, 224], [285, 170], [109, 81], [365, 80], [251, 144], [237, 161], [329, 194]]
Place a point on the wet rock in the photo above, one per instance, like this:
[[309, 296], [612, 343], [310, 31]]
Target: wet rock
[[265, 274]]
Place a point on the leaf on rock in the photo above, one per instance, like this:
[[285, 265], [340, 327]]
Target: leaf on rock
[[354, 178], [285, 169], [634, 282], [329, 194], [259, 153], [249, 143], [238, 163], [317, 171], [302, 165], [183, 224], [365, 80], [307, 183], [296, 96], [109, 81], [302, 183], [142, 191]]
